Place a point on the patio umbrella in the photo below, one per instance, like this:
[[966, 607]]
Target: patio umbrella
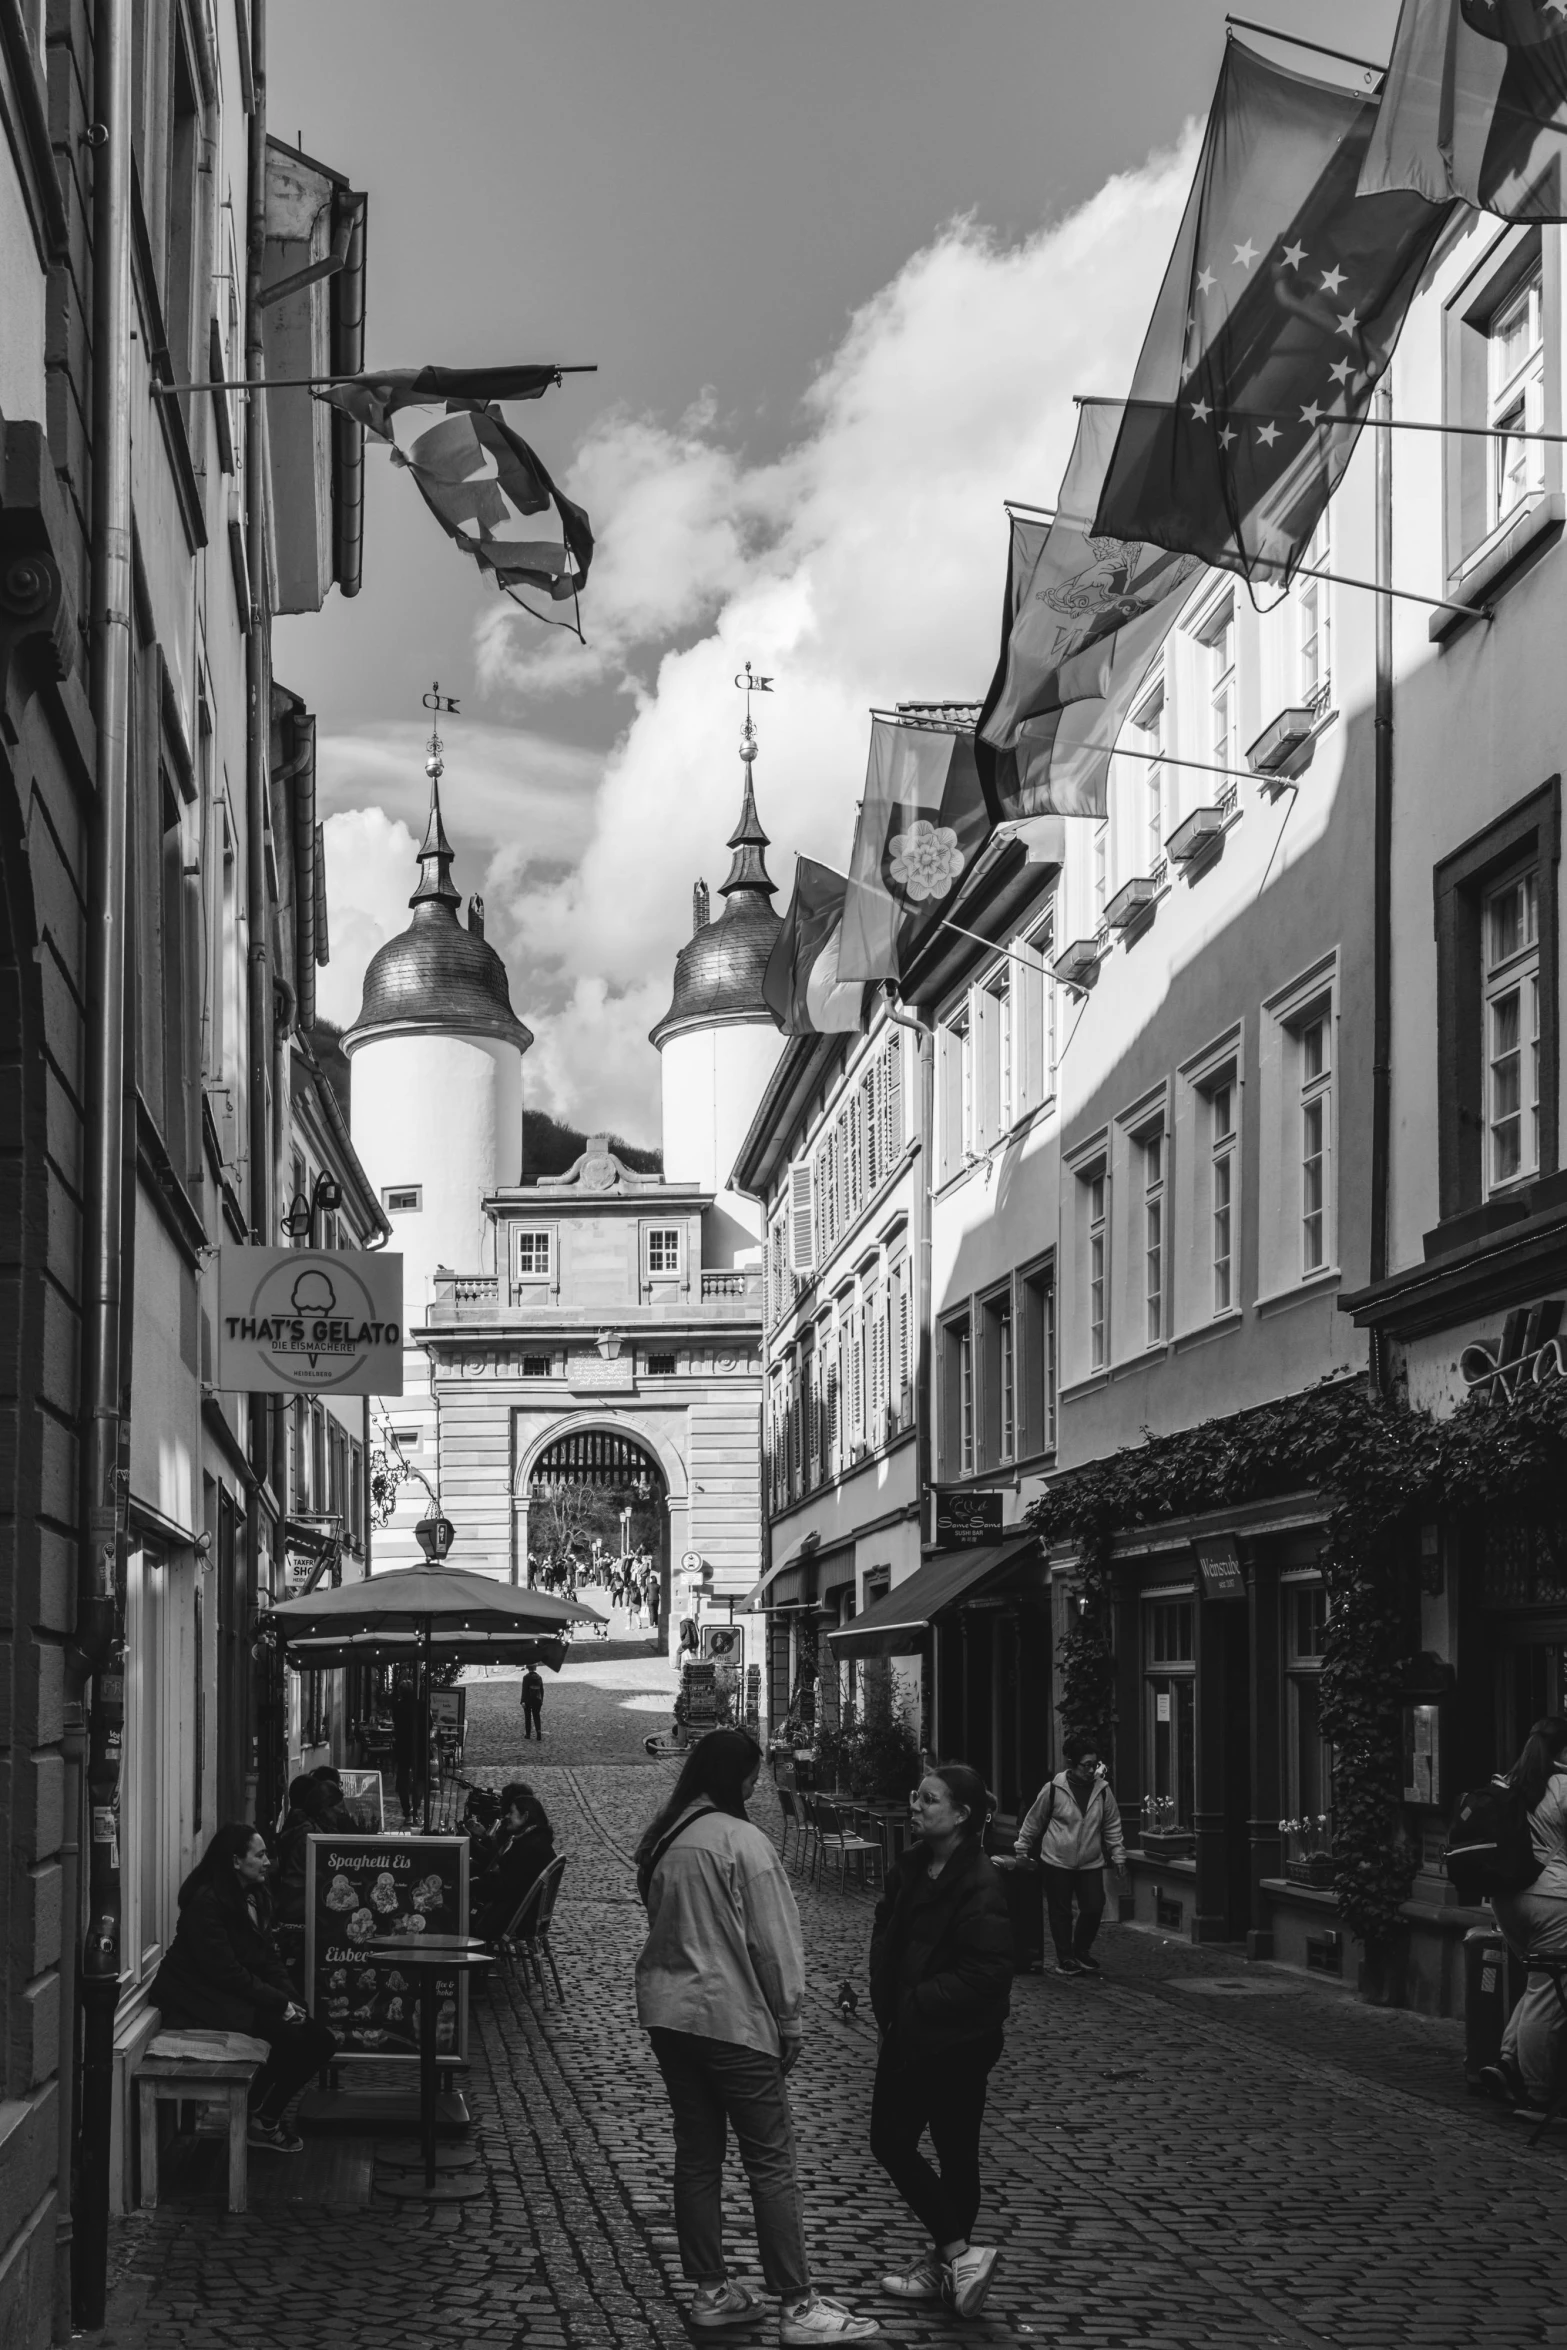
[[424, 1616]]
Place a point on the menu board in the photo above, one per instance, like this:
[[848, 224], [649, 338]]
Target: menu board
[[360, 1890], [362, 1800]]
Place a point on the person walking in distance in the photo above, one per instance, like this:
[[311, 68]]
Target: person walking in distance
[[721, 1995], [1073, 1829], [941, 1974], [1535, 1920], [533, 1704]]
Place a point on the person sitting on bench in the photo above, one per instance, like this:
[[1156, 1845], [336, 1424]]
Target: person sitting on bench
[[224, 1973], [526, 1849]]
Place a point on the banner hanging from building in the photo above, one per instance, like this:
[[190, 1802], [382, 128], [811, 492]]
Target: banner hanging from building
[[297, 1321]]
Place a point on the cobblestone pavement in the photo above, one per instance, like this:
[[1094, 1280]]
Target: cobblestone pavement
[[1186, 2153]]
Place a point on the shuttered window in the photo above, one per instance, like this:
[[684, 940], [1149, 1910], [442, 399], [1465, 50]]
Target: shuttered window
[[802, 1221]]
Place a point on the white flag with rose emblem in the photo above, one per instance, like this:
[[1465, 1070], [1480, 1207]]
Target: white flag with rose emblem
[[922, 823]]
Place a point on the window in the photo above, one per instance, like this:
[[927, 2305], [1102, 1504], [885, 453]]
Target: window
[[1006, 1382], [1314, 1047], [1510, 934], [1316, 618], [660, 1366], [1150, 726], [956, 1138], [538, 1366], [663, 1250], [1219, 643], [1035, 1023], [998, 1379], [1170, 1709], [957, 1418], [1222, 1156], [404, 1200], [533, 1256], [1308, 1761], [1000, 1087], [965, 1400], [1097, 1186], [1152, 1149], [1037, 1341], [963, 1029], [1515, 365], [182, 216]]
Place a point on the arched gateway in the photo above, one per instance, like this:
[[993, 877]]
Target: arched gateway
[[596, 1482]]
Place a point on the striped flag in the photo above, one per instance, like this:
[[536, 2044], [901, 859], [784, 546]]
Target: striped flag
[[801, 985], [1475, 105]]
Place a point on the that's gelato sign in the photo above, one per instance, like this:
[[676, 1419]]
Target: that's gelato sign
[[311, 1321]]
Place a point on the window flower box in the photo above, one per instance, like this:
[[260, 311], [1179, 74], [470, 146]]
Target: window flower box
[[1169, 1843], [1133, 904], [1078, 964], [1197, 839], [1313, 1868]]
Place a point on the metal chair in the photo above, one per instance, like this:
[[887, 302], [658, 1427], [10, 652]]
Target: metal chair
[[529, 1930], [790, 1817], [832, 1837]]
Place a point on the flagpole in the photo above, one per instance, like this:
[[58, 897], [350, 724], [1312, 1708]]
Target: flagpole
[[1373, 588], [1168, 759], [305, 383], [1247, 24], [1368, 422]]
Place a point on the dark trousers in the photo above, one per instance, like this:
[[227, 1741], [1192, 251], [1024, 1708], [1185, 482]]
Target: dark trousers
[[298, 2050], [532, 1726], [713, 2086], [944, 2094], [1061, 1885]]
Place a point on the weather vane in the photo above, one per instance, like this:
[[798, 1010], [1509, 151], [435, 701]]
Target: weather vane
[[750, 685], [435, 766]]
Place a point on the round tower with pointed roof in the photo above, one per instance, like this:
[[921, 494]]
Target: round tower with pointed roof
[[437, 1075], [718, 1043]]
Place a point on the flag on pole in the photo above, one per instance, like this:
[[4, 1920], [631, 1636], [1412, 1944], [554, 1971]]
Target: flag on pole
[[1279, 311], [923, 821], [480, 480], [801, 986], [1474, 105], [1084, 620], [373, 400]]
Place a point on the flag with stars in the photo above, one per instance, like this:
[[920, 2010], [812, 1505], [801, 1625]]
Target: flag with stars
[[1475, 105], [1279, 311], [922, 823], [1083, 622]]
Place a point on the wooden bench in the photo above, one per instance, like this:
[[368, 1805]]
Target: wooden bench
[[165, 2077]]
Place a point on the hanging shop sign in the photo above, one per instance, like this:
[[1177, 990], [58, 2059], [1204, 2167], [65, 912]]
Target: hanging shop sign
[[297, 1321], [965, 1519], [1219, 1561]]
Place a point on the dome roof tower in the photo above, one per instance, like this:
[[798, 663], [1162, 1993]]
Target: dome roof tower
[[718, 973]]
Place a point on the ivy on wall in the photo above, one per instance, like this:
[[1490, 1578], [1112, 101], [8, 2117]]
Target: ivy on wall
[[1380, 1468]]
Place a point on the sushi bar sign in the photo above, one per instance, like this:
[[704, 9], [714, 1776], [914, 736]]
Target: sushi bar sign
[[295, 1321]]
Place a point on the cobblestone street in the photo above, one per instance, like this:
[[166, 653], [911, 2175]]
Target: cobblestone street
[[1185, 2153]]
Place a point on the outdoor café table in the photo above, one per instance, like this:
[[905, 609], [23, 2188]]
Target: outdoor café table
[[894, 1818], [430, 1955]]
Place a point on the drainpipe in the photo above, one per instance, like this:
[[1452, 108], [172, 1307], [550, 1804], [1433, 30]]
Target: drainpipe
[[1382, 883], [922, 1239], [96, 1658], [303, 767]]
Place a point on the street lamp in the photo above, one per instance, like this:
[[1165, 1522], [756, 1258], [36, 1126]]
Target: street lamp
[[434, 1534]]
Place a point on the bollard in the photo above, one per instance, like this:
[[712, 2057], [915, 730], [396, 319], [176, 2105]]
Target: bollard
[[1486, 2001]]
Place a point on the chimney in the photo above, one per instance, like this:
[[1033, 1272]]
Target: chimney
[[699, 903], [476, 916]]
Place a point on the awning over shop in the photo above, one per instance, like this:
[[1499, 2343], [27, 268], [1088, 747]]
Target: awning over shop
[[792, 1581], [895, 1624]]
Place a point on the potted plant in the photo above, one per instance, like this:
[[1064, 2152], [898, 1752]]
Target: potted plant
[[1162, 1837], [1310, 1861]]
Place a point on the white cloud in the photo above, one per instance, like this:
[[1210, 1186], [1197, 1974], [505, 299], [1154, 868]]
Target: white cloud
[[370, 875], [864, 566]]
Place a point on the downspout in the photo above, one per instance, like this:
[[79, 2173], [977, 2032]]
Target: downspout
[[303, 765], [1382, 885], [258, 732], [97, 1656]]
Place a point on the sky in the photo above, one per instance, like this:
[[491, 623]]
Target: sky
[[841, 265]]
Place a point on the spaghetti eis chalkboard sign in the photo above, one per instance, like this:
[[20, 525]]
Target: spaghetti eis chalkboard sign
[[360, 1890]]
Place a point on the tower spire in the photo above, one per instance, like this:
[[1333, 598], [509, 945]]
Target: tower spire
[[748, 867], [435, 857]]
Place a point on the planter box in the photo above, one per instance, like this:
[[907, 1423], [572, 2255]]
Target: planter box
[[1315, 1869], [1168, 1843]]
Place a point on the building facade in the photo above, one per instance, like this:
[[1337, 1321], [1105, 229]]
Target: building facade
[[158, 867]]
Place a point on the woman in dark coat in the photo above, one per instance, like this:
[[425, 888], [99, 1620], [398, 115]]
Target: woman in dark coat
[[941, 1971], [224, 1973], [525, 1850]]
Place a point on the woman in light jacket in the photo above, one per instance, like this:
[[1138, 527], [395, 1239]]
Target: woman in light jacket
[[721, 1994], [1073, 1829], [1535, 1920]]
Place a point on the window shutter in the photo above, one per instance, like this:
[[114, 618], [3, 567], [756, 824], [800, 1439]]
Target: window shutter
[[851, 1137], [802, 1259], [871, 1125], [950, 1155], [1034, 1074], [891, 1102]]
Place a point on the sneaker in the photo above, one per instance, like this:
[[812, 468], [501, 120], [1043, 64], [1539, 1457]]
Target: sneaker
[[821, 2320], [276, 2137], [1068, 1966], [968, 2279], [920, 2281], [727, 2304], [1087, 1965]]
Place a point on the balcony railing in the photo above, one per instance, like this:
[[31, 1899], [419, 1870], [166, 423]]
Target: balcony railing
[[743, 1281]]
